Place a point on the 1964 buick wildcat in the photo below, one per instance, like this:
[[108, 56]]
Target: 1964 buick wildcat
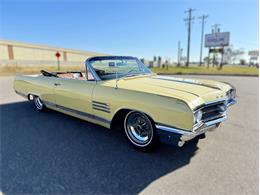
[[121, 91]]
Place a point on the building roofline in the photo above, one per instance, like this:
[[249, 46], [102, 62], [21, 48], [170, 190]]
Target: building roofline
[[47, 47]]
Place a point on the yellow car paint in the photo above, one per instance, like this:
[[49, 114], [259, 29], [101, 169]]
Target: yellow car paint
[[167, 100]]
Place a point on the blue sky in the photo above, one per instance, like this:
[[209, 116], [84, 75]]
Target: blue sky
[[139, 28]]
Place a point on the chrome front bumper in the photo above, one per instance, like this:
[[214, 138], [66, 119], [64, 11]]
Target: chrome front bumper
[[204, 128], [180, 136], [184, 136]]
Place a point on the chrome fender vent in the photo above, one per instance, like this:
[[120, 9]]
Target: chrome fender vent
[[101, 106]]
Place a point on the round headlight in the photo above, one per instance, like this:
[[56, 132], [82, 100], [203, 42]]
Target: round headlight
[[197, 116]]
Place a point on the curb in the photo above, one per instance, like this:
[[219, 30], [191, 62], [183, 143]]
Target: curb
[[201, 74]]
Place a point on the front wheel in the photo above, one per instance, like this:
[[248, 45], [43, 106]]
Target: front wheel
[[140, 131]]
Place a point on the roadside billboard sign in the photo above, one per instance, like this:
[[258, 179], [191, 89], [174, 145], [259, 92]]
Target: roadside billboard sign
[[220, 39]]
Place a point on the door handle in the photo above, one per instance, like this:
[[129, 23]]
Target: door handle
[[57, 84]]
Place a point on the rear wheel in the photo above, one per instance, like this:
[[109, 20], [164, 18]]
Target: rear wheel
[[39, 104], [140, 131]]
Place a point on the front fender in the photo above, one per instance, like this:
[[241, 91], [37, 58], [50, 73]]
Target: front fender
[[163, 110]]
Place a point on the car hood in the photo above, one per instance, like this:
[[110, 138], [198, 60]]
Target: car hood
[[193, 91]]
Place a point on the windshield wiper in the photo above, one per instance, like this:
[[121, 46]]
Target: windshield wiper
[[127, 74]]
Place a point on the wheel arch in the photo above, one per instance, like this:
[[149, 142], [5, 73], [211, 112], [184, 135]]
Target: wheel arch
[[120, 114]]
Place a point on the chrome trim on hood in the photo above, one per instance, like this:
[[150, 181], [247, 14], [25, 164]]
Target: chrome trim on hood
[[179, 90], [185, 81]]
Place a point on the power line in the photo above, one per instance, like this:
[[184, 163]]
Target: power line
[[203, 20], [188, 20]]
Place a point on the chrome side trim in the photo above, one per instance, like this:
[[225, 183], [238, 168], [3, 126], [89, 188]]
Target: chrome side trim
[[80, 113]]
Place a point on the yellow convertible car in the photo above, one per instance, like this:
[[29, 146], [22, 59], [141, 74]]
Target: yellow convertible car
[[120, 91]]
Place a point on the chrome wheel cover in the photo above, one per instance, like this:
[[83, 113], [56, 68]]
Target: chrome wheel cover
[[139, 128], [38, 103]]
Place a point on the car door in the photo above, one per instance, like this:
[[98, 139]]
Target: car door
[[44, 89], [74, 96]]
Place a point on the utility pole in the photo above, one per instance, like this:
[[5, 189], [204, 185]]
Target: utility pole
[[203, 20], [179, 52], [188, 20]]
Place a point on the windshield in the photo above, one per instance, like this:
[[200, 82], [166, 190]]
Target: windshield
[[116, 68]]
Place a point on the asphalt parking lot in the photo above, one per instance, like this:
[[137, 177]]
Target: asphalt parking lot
[[57, 154]]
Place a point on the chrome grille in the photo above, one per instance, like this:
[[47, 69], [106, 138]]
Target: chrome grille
[[213, 111]]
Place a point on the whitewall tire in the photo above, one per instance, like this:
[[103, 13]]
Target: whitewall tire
[[140, 130]]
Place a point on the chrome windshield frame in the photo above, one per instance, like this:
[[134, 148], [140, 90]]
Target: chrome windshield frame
[[90, 68]]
